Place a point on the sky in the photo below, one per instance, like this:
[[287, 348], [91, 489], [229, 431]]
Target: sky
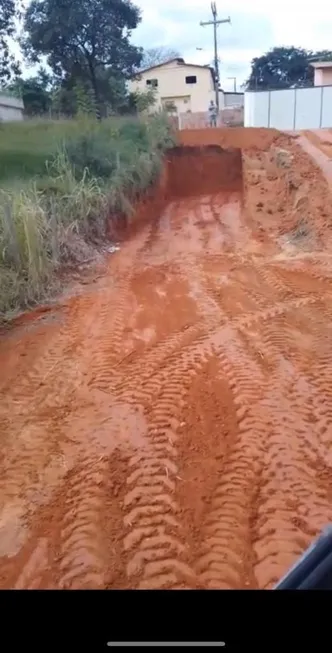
[[255, 27]]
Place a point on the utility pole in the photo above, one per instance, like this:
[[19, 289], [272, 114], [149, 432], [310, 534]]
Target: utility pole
[[215, 22]]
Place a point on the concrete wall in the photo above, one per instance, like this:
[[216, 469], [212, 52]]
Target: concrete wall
[[228, 117], [11, 108], [301, 108], [233, 99], [172, 86]]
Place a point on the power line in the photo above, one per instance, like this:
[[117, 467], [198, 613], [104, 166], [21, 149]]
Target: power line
[[215, 22]]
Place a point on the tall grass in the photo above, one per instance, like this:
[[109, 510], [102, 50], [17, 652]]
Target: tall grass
[[60, 183]]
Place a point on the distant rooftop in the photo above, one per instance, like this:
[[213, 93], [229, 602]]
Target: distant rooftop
[[180, 62], [321, 64], [8, 100]]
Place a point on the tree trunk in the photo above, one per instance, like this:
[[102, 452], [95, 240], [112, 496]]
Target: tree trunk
[[94, 84]]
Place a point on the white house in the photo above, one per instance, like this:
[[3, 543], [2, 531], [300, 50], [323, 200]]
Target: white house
[[11, 108], [185, 87]]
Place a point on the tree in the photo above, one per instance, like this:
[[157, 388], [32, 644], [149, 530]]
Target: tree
[[74, 94], [34, 91], [157, 56], [7, 29], [84, 39], [143, 101], [284, 67]]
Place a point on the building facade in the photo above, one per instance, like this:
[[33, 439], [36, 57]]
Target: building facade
[[179, 87], [322, 73], [11, 108]]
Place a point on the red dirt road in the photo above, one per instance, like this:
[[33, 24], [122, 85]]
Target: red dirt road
[[170, 426]]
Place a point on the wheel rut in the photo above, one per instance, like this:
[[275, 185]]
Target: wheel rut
[[171, 427]]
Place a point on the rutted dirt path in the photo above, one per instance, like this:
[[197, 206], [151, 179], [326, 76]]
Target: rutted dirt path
[[172, 426]]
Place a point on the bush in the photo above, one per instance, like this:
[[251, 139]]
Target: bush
[[93, 153], [82, 173]]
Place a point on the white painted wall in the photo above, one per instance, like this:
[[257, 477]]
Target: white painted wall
[[327, 107], [301, 108], [256, 109], [11, 108], [282, 109], [172, 86], [233, 99]]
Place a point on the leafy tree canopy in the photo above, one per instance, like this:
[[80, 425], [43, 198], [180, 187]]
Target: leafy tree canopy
[[7, 29], [284, 67], [87, 39], [34, 91]]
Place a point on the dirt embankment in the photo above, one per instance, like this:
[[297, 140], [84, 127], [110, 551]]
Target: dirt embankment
[[209, 169], [170, 426], [237, 137]]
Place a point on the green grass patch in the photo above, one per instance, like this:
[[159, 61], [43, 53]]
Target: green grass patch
[[59, 184]]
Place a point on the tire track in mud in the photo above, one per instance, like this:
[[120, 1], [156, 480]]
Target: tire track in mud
[[226, 562], [195, 354], [83, 539], [169, 388], [50, 406], [300, 285], [62, 368], [80, 520], [291, 506], [107, 349], [50, 402], [226, 558], [45, 369], [83, 549], [291, 509], [155, 472], [75, 554], [115, 514], [155, 543]]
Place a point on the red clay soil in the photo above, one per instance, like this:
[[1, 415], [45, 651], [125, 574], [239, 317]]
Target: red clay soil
[[170, 426], [322, 139], [248, 138], [212, 169]]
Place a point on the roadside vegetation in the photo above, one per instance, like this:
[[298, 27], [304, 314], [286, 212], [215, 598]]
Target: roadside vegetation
[[85, 150], [61, 184]]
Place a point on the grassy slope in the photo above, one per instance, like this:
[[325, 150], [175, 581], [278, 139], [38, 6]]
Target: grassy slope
[[59, 183]]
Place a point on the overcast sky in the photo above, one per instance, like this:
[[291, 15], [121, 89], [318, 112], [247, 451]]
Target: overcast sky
[[256, 26]]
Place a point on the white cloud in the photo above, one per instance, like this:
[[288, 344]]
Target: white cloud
[[255, 28]]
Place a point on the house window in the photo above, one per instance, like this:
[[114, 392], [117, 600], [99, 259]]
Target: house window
[[152, 82], [192, 79]]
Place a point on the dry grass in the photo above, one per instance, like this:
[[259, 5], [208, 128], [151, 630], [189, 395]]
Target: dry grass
[[94, 172]]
